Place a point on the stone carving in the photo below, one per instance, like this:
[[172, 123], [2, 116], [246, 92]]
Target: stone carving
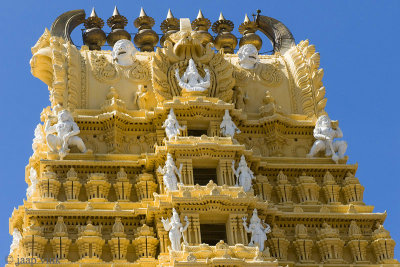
[[172, 127], [39, 138], [191, 81], [248, 56], [243, 174], [228, 127], [142, 97], [124, 52], [325, 131], [103, 70], [67, 134], [30, 191], [240, 98], [168, 171], [60, 228], [17, 237], [354, 230], [257, 230], [176, 230]]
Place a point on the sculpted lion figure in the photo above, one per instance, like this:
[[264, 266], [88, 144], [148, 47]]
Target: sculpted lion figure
[[124, 52], [248, 56]]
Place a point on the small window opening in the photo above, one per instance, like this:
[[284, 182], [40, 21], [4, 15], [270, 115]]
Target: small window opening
[[203, 176], [211, 234]]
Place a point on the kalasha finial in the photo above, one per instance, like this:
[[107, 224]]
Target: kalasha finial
[[117, 24], [146, 39], [169, 26], [201, 26], [94, 36], [248, 29], [225, 39]]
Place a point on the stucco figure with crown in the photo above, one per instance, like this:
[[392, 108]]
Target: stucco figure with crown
[[169, 172], [257, 229], [244, 175], [172, 127], [175, 230]]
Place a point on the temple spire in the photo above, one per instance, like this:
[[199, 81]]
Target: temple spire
[[221, 16], [169, 15], [142, 13], [200, 15], [116, 12], [93, 13]]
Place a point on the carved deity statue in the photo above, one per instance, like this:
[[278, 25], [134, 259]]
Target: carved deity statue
[[325, 132], [33, 178], [175, 229], [257, 230], [191, 81], [243, 174], [67, 134], [171, 126], [17, 237], [124, 52], [142, 97], [248, 56], [169, 172], [228, 127]]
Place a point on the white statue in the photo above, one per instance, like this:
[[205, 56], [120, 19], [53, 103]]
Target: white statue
[[124, 52], [191, 79], [17, 237], [172, 127], [324, 132], [248, 56], [33, 178], [168, 171], [176, 229], [243, 174], [67, 131], [257, 230], [39, 137], [228, 127]]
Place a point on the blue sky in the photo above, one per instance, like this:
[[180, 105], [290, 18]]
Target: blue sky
[[358, 42]]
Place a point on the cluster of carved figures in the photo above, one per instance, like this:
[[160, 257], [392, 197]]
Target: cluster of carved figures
[[197, 169]]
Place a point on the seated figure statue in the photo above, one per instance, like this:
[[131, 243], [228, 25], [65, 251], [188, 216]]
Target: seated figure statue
[[191, 81], [228, 127], [248, 56], [67, 131], [324, 132], [124, 52]]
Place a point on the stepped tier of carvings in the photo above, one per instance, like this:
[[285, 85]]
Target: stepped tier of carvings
[[189, 154]]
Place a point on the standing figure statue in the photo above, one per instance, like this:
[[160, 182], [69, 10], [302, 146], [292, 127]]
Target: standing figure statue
[[17, 237], [325, 132], [30, 191], [172, 127], [191, 81], [168, 171], [176, 230], [243, 174], [228, 127], [67, 131], [257, 230]]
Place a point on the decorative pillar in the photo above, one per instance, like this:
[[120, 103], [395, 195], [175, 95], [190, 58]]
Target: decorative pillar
[[49, 186], [352, 189], [225, 173], [303, 244], [160, 182], [213, 128], [330, 245], [331, 189], [123, 186], [60, 241], [162, 234], [307, 189], [33, 241], [383, 245], [187, 171], [72, 186], [90, 242], [118, 242], [284, 188], [193, 235], [97, 187], [278, 243], [145, 187], [235, 230], [263, 187], [145, 243], [357, 246]]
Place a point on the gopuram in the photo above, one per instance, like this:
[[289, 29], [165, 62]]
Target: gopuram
[[191, 149]]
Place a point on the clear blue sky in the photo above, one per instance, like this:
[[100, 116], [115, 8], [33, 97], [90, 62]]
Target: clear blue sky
[[358, 42]]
